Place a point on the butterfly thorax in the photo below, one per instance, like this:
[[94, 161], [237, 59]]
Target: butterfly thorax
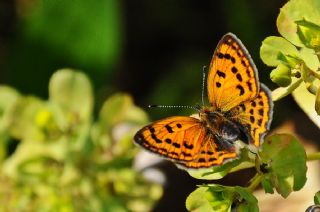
[[219, 126]]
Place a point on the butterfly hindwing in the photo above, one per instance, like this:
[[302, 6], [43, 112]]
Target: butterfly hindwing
[[179, 138], [233, 77], [255, 116], [210, 155]]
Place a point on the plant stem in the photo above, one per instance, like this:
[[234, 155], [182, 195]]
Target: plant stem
[[281, 92], [313, 156], [315, 74], [255, 182]]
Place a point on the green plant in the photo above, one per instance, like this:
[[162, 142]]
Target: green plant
[[55, 156]]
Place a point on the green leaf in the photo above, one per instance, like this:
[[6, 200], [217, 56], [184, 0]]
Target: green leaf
[[293, 11], [307, 101], [118, 119], [24, 118], [308, 33], [8, 98], [209, 198], [71, 91], [281, 75], [272, 47], [214, 197], [317, 198], [310, 58], [118, 108], [32, 152], [266, 184], [196, 201], [250, 203], [285, 160]]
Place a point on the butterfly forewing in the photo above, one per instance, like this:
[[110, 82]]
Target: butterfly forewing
[[179, 138], [232, 76], [255, 115]]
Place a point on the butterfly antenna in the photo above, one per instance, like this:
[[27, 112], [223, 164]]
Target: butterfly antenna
[[175, 106], [203, 83]]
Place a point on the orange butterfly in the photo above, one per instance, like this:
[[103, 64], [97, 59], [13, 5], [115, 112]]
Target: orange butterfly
[[240, 109]]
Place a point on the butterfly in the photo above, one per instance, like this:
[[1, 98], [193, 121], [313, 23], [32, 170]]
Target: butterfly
[[240, 109]]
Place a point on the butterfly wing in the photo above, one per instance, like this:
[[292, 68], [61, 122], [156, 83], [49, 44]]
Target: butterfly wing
[[255, 116], [233, 77], [178, 138], [210, 155]]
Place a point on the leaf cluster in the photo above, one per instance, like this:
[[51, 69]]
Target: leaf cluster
[[54, 155], [295, 55], [280, 164]]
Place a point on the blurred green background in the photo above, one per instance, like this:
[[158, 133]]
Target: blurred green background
[[152, 50], [140, 47]]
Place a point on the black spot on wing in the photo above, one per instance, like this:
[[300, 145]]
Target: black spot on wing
[[249, 85], [188, 146], [157, 140], [218, 84], [186, 154], [234, 70], [201, 160], [168, 140], [151, 129], [241, 89], [221, 74], [243, 63], [176, 145], [139, 138], [233, 60], [227, 56], [220, 55], [248, 73], [169, 129], [239, 77], [243, 107]]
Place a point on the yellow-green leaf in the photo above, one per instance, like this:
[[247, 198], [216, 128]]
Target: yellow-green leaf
[[284, 159]]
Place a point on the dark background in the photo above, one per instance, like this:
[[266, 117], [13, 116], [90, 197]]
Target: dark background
[[153, 50]]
